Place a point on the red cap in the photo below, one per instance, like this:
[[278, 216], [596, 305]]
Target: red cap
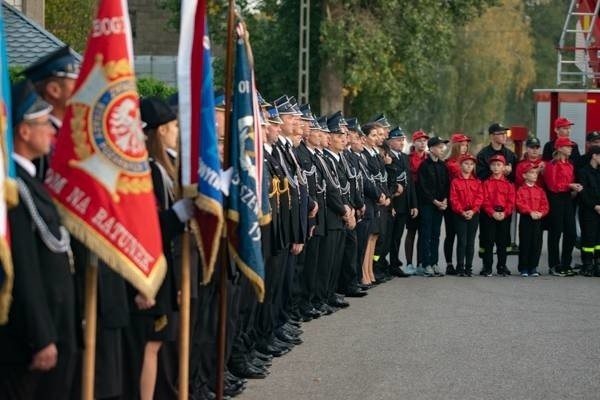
[[419, 135], [562, 122], [563, 141], [528, 167], [466, 157], [497, 157], [459, 137]]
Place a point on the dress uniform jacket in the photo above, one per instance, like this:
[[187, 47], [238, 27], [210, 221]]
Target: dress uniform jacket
[[399, 173], [43, 308], [283, 155], [339, 169], [280, 200], [316, 186], [334, 199]]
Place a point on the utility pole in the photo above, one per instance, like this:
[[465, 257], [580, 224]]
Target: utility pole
[[303, 52]]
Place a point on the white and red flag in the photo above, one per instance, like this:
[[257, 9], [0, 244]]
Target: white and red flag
[[99, 174]]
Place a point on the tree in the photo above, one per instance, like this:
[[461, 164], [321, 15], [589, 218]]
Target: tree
[[70, 20]]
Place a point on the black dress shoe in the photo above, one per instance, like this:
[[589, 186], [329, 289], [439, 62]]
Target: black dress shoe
[[247, 370], [287, 338], [362, 286], [396, 271], [233, 390], [257, 362], [356, 292], [292, 330], [306, 318], [273, 351], [281, 344], [339, 303], [262, 356]]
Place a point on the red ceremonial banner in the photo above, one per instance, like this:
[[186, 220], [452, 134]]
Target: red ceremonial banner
[[99, 174]]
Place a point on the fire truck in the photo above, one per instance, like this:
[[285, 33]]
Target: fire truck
[[577, 76]]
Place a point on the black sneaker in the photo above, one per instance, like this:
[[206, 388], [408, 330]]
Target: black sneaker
[[450, 270], [555, 272], [568, 271]]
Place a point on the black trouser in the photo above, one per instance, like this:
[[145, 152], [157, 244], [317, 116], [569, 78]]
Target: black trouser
[[399, 222], [287, 290], [493, 232], [348, 276], [589, 221], [309, 274], [530, 243], [329, 250], [450, 235], [561, 220], [265, 321], [466, 230], [337, 249], [385, 238]]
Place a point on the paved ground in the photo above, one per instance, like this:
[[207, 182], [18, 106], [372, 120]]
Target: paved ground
[[450, 338]]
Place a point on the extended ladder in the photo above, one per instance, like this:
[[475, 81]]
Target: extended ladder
[[578, 52]]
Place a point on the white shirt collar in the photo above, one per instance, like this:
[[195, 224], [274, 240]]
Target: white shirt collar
[[396, 153], [371, 151], [336, 156], [268, 148], [312, 151], [56, 121], [172, 153], [26, 164]]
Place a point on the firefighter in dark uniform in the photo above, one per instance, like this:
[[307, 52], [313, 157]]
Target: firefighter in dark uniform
[[589, 213], [404, 197], [54, 77], [350, 273], [363, 188], [38, 344], [342, 216], [305, 154]]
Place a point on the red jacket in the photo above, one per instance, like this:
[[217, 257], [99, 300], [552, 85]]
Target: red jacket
[[532, 198], [519, 172], [498, 193], [415, 163], [453, 168], [558, 175], [466, 194]]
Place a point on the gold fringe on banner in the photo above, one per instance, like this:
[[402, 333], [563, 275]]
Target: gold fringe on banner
[[7, 285], [11, 193], [112, 256]]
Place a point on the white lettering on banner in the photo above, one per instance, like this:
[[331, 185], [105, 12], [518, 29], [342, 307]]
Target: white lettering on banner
[[55, 181], [209, 175], [79, 200], [243, 87], [249, 198], [254, 232], [108, 26], [123, 239]]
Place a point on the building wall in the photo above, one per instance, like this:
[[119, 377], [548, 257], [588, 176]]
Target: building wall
[[152, 34], [34, 9]]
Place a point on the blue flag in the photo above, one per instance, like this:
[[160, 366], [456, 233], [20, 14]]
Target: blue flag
[[199, 155], [246, 194], [8, 193]]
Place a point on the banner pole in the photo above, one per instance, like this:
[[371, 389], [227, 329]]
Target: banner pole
[[89, 355], [223, 253], [184, 321]]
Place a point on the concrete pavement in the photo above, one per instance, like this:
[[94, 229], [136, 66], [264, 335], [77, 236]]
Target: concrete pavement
[[450, 338]]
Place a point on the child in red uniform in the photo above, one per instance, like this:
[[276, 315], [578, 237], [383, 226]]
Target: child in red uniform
[[532, 204], [559, 179], [466, 197], [494, 222], [459, 145], [533, 155]]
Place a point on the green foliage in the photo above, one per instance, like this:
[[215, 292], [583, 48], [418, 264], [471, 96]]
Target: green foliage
[[148, 86], [70, 20], [15, 73]]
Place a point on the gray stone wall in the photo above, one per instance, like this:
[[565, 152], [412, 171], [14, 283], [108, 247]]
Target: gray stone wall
[[152, 33]]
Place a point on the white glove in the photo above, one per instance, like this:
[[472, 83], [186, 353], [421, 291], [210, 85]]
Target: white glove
[[184, 209]]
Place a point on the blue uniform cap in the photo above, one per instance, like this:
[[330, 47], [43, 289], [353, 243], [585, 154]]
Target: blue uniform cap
[[397, 132], [62, 63], [26, 103]]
